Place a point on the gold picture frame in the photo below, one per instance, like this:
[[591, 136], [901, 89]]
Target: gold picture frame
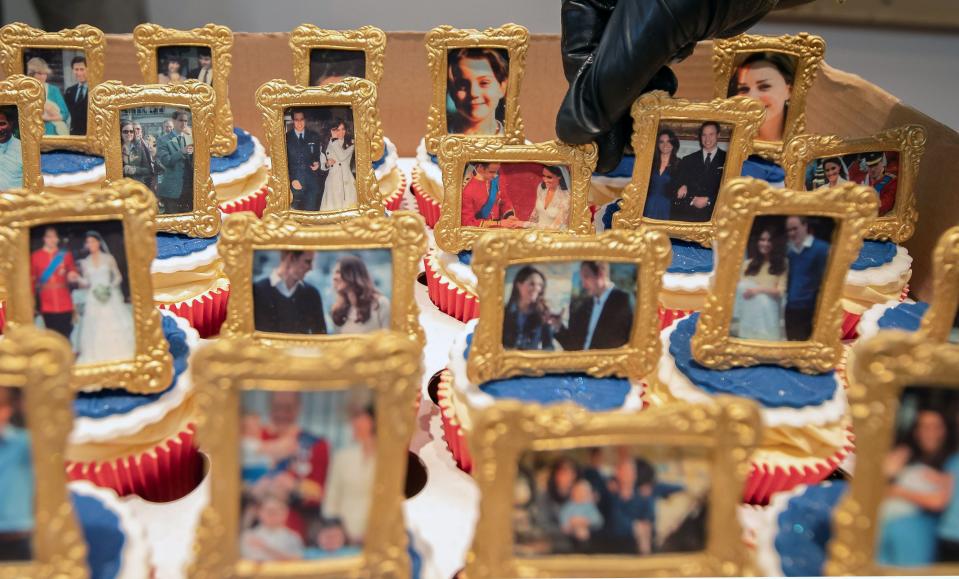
[[456, 151], [403, 233], [727, 430], [26, 94], [511, 37], [125, 200], [389, 365], [936, 324], [369, 40], [807, 49], [850, 206], [650, 251], [16, 37], [882, 368], [744, 115], [147, 38], [275, 96], [109, 99], [908, 140]]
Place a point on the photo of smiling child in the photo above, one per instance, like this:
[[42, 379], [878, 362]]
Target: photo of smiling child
[[476, 85]]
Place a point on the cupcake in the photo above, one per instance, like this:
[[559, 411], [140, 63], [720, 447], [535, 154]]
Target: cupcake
[[892, 315], [241, 178], [188, 280], [457, 396], [117, 546], [141, 444], [427, 184], [880, 274], [451, 283], [67, 172], [806, 425], [389, 176], [606, 189], [686, 281]]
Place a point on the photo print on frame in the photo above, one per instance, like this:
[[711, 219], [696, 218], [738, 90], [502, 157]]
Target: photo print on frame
[[323, 56], [21, 129]]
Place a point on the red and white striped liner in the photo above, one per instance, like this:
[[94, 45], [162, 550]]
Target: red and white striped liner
[[255, 202], [452, 433], [668, 316], [428, 207], [395, 200], [206, 313], [446, 295]]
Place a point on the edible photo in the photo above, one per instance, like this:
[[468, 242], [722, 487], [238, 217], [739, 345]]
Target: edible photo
[[611, 501], [157, 150], [321, 158], [63, 74], [876, 169], [329, 65], [180, 63], [17, 481], [516, 196], [476, 90], [308, 467], [584, 305], [767, 77], [11, 151], [780, 278], [80, 280], [322, 292]]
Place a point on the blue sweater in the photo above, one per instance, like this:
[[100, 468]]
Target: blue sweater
[[806, 269]]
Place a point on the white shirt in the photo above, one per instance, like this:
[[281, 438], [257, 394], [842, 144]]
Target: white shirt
[[806, 244], [280, 285], [349, 490], [711, 154], [598, 304]]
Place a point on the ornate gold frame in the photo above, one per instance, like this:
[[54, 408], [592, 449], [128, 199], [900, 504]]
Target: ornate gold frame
[[650, 251], [275, 96], [16, 37], [390, 365], [851, 206], [745, 116], [728, 430], [27, 94], [107, 102], [807, 48], [456, 151], [219, 39], [38, 362], [937, 322], [369, 40], [909, 140], [404, 234], [440, 40], [883, 366], [130, 202]]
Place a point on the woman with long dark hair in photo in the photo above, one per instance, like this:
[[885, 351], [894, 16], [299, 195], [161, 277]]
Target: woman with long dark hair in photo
[[476, 91], [359, 307], [337, 159], [549, 501], [137, 157], [767, 77], [659, 195], [526, 316], [835, 172], [761, 293], [171, 71], [105, 330], [552, 201]]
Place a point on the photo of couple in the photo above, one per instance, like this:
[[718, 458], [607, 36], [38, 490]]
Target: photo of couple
[[515, 196], [63, 74], [780, 278], [16, 480], [876, 169], [322, 292], [768, 78], [688, 165], [308, 466], [11, 150], [79, 275], [157, 150], [180, 63], [569, 306], [919, 516], [610, 501], [329, 65], [321, 158], [476, 84]]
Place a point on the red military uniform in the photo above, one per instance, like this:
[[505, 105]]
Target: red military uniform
[[308, 467], [55, 294], [475, 196]]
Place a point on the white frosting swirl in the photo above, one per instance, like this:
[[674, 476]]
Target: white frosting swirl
[[869, 322], [887, 273], [253, 164], [135, 557], [427, 167], [389, 163], [195, 260], [94, 175]]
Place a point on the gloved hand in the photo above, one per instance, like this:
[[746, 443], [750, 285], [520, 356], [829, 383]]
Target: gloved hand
[[616, 50]]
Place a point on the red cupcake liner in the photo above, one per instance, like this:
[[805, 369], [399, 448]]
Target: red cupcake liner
[[255, 202], [429, 209], [206, 313], [452, 433], [668, 316], [451, 299], [850, 322], [395, 200], [166, 473]]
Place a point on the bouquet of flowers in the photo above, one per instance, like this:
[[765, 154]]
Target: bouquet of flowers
[[101, 293]]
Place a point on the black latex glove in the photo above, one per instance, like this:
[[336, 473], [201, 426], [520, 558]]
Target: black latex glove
[[616, 50]]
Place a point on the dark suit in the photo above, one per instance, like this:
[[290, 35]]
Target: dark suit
[[300, 154], [175, 189], [612, 329], [195, 73], [300, 314], [77, 108], [701, 180]]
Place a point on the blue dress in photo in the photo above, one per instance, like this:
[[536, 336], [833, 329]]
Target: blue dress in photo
[[659, 196]]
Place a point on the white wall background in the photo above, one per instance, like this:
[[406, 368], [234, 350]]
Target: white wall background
[[921, 68]]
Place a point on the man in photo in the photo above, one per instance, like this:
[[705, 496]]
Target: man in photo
[[807, 257], [698, 177], [204, 72], [76, 96], [11, 153], [601, 320], [175, 155], [52, 269], [303, 156], [884, 183], [484, 203], [17, 482], [284, 302]]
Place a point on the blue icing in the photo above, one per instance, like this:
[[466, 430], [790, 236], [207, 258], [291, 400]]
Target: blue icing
[[771, 386], [240, 155], [106, 403], [465, 257], [595, 394], [416, 562], [903, 317], [756, 166], [690, 257], [66, 162], [623, 169], [434, 159], [379, 162], [804, 529], [611, 210], [103, 535], [170, 245], [874, 254]]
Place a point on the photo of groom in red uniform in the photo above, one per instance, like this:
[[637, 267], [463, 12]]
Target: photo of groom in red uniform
[[52, 270]]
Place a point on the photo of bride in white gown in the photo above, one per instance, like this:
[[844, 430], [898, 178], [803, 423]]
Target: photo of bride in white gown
[[104, 331], [337, 159]]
